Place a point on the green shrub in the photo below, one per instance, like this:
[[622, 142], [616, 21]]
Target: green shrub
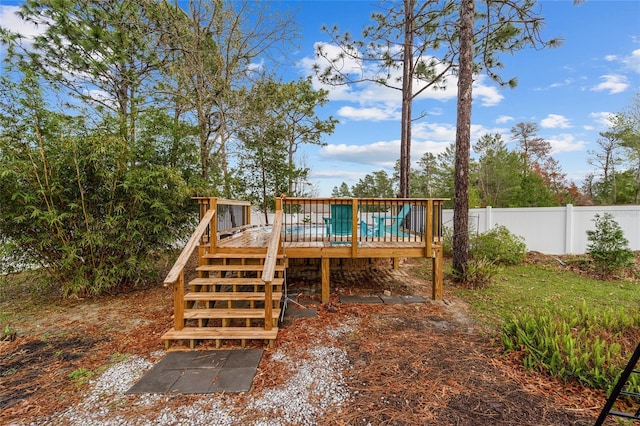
[[608, 248], [87, 205], [447, 241], [498, 245], [477, 273]]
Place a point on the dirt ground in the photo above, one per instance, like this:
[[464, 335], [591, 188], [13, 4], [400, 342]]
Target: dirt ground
[[409, 363]]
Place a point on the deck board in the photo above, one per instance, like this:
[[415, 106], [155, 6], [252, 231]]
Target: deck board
[[254, 239]]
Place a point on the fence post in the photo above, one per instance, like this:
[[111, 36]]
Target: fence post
[[488, 220], [568, 231]]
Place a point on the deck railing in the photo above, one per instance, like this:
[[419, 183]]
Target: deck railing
[[232, 215], [239, 211], [268, 272], [175, 277], [401, 220]]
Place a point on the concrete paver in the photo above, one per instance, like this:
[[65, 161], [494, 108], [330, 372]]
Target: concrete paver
[[195, 372], [360, 299]]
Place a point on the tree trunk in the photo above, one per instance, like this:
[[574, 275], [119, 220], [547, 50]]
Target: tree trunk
[[407, 95], [463, 140]]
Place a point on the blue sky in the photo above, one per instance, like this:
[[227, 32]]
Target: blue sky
[[568, 91]]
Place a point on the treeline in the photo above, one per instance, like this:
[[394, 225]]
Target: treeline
[[526, 175], [116, 113]]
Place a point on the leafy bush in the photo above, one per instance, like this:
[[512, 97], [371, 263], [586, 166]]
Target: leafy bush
[[447, 241], [498, 245], [477, 273], [608, 248], [570, 345], [84, 203]]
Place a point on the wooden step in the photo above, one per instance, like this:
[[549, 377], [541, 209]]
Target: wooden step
[[219, 255], [239, 268], [217, 313], [232, 281], [204, 296], [205, 333]]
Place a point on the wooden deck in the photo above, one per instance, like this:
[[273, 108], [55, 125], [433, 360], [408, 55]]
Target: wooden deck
[[241, 267], [255, 240]]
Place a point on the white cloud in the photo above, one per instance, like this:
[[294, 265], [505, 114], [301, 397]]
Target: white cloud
[[337, 174], [383, 154], [10, 21], [370, 95], [565, 142], [372, 114], [488, 95], [444, 134], [633, 61], [435, 111], [613, 83], [426, 137], [603, 119], [565, 82], [418, 149], [257, 66], [440, 132], [555, 121], [504, 119], [347, 62]]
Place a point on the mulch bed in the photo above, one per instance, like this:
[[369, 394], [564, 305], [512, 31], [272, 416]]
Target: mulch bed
[[409, 363]]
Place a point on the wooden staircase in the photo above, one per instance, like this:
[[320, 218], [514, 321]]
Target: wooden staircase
[[227, 301], [236, 295]]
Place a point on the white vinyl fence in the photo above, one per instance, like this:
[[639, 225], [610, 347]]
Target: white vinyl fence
[[549, 230], [553, 230]]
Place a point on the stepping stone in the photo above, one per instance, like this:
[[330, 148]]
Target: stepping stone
[[156, 381], [198, 372], [196, 380], [402, 299], [234, 380], [360, 299], [413, 299]]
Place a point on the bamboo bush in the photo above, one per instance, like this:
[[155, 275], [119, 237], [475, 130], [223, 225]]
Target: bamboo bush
[[86, 205]]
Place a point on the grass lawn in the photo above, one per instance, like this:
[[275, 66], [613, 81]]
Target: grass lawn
[[528, 287], [561, 320]]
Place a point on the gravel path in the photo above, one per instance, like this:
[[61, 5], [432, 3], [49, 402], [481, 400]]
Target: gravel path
[[315, 386]]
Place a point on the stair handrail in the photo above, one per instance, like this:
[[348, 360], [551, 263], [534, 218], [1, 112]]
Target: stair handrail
[[182, 260], [268, 271]]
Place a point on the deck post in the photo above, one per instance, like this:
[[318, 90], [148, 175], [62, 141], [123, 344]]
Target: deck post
[[437, 277], [268, 305], [326, 270], [428, 232], [178, 302], [355, 236], [213, 226]]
